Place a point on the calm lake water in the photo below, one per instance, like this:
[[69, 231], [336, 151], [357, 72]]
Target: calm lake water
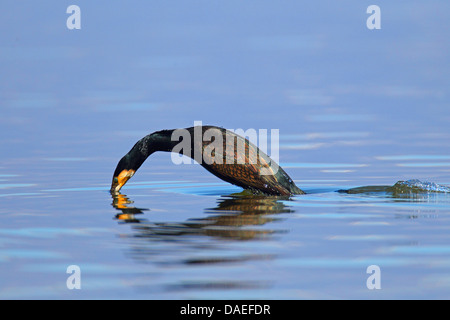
[[354, 107]]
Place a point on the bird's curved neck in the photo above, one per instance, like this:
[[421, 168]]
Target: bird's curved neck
[[157, 141]]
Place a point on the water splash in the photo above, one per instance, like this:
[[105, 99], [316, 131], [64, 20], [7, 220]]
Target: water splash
[[415, 185], [401, 188]]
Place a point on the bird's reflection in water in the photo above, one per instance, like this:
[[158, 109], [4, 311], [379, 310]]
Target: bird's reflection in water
[[199, 241], [128, 213], [233, 218]]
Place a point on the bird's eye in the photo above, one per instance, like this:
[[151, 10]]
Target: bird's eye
[[116, 180]]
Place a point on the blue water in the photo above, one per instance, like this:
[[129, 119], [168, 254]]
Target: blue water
[[354, 107]]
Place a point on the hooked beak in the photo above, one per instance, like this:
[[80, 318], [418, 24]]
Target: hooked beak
[[120, 180]]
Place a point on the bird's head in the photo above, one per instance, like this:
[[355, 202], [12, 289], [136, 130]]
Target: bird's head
[[122, 174]]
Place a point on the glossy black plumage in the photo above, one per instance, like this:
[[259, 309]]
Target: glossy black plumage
[[225, 154]]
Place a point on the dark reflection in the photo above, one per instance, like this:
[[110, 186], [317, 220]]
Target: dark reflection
[[236, 217], [127, 213], [233, 218], [219, 285]]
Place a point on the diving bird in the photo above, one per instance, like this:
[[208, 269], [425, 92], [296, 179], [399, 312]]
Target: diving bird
[[222, 152]]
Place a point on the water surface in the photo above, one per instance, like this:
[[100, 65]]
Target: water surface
[[354, 107]]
